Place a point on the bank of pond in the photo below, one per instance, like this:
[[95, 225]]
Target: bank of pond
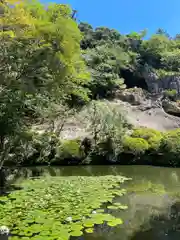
[[91, 202], [141, 146]]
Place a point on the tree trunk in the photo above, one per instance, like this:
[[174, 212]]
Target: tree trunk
[[2, 180]]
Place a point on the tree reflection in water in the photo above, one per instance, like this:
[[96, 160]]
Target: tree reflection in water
[[162, 227]]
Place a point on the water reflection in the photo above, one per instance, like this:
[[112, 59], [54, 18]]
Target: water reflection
[[162, 227]]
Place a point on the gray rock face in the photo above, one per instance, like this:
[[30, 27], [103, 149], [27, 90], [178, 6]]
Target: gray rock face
[[157, 85], [171, 107], [134, 96]]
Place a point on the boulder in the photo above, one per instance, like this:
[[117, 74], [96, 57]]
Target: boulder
[[171, 107], [134, 96]]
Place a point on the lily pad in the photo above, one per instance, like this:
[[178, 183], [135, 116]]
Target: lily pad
[[115, 222], [76, 233], [113, 207], [59, 207], [118, 206], [88, 223], [89, 230], [100, 210], [123, 207]]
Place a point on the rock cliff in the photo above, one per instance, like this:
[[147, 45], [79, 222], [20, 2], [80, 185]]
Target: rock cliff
[[158, 84]]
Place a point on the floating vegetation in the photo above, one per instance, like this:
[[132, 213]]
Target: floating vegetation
[[89, 230], [56, 208]]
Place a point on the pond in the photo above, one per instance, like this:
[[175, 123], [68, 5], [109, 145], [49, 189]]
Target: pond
[[153, 200]]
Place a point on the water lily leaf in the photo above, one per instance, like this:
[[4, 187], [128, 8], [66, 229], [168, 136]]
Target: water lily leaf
[[76, 233], [88, 223], [100, 210], [42, 206], [123, 207], [89, 230], [63, 238], [76, 227], [98, 221], [117, 204], [113, 207], [115, 222]]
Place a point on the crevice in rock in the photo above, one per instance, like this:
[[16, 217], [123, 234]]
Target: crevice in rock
[[174, 114], [131, 80]]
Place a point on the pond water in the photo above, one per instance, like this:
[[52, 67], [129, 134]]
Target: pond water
[[153, 199]]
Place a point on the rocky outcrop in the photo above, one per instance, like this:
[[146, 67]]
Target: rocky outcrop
[[134, 96], [157, 85], [150, 117], [149, 110], [170, 107]]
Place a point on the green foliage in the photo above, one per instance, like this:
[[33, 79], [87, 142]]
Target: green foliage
[[171, 142], [160, 52], [171, 60], [152, 136], [12, 122], [137, 36], [152, 49], [170, 147], [40, 64], [105, 63], [69, 149], [107, 126], [49, 64], [35, 148], [45, 54], [136, 146], [105, 120], [59, 207]]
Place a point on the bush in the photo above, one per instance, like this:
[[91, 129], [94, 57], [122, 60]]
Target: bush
[[34, 148], [69, 149], [170, 147], [152, 136], [107, 125], [45, 148], [171, 142], [136, 146]]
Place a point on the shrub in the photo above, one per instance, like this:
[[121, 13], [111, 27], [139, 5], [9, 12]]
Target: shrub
[[135, 146], [170, 146], [69, 149], [107, 126], [171, 142], [152, 136], [105, 121], [34, 148]]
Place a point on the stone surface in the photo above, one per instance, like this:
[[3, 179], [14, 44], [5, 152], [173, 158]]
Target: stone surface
[[157, 85], [134, 96], [171, 107]]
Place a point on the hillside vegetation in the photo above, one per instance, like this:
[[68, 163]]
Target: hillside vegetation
[[51, 67]]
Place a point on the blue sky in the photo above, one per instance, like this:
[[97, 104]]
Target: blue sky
[[129, 15]]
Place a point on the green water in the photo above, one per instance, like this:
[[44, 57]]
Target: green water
[[153, 200]]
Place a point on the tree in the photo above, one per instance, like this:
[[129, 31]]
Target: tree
[[152, 49], [40, 58], [161, 31], [107, 125], [105, 63], [45, 52]]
